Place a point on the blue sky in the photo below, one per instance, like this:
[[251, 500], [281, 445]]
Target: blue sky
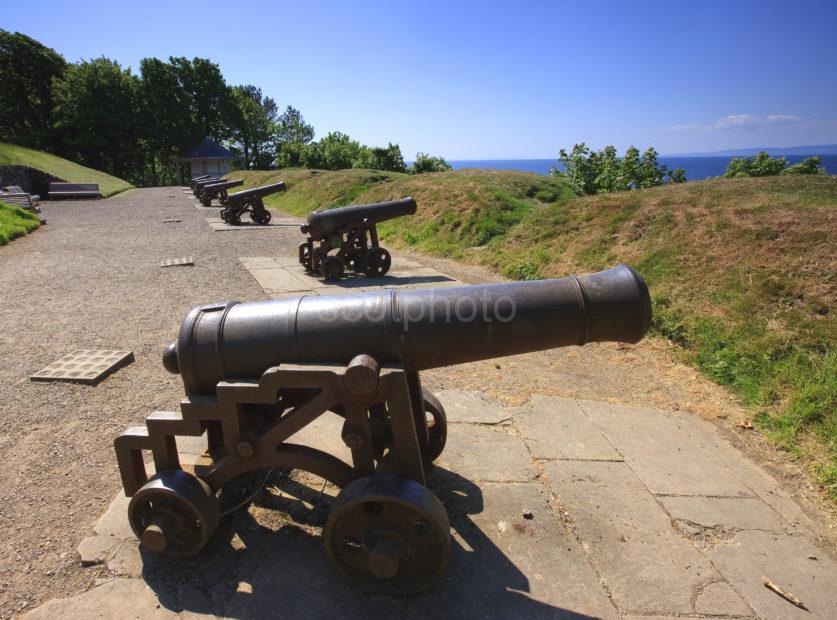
[[485, 79]]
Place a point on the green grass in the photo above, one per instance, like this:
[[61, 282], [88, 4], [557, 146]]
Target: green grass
[[61, 168], [743, 272], [15, 222]]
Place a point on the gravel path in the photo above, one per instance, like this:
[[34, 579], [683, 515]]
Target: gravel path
[[92, 279]]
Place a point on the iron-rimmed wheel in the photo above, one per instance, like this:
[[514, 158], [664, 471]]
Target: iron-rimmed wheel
[[437, 426], [234, 219], [261, 217], [332, 267], [222, 197], [225, 214], [174, 513], [388, 535], [376, 262], [305, 256]]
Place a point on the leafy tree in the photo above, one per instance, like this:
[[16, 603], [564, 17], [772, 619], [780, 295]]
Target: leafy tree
[[603, 171], [428, 163], [381, 158], [678, 175], [336, 151], [629, 168], [809, 165], [578, 168], [96, 113], [181, 101], [293, 135], [27, 69], [761, 165], [651, 173], [255, 127]]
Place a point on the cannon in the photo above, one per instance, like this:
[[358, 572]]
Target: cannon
[[200, 178], [219, 190], [198, 186], [347, 237], [249, 200], [256, 373]]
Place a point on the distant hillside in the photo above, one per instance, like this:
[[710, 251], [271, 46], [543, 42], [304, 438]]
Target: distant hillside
[[60, 168], [743, 272], [776, 151]]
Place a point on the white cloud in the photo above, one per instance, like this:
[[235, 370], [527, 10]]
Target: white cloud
[[733, 121], [752, 121]]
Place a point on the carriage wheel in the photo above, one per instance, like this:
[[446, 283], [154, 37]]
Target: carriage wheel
[[376, 262], [388, 535], [174, 514]]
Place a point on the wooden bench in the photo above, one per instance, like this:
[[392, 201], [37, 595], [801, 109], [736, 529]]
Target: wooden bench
[[73, 190], [20, 199], [17, 189]]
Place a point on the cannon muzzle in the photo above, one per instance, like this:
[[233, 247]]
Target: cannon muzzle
[[323, 223], [417, 329]]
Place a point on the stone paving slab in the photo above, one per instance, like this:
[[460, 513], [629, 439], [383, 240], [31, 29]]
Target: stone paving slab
[[791, 562], [727, 513], [708, 436], [474, 407], [487, 454], [557, 428], [644, 563], [661, 454]]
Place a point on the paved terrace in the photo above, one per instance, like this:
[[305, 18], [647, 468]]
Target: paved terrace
[[560, 507]]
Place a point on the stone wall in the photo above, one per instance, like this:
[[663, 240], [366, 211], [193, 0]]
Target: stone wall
[[31, 180]]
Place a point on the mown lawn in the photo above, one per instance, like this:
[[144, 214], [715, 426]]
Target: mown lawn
[[61, 168], [15, 222]]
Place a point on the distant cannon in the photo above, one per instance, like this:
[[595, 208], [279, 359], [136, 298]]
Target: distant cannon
[[217, 190], [351, 235], [210, 180], [200, 178], [256, 373], [249, 200]]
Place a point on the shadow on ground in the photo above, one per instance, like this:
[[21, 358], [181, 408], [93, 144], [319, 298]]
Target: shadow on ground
[[270, 561]]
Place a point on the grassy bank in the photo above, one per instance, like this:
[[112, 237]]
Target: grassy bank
[[15, 222], [743, 272], [61, 168]]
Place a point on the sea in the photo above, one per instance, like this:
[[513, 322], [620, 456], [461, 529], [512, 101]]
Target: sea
[[696, 168]]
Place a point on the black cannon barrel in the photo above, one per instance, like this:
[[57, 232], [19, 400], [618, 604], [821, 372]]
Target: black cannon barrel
[[323, 223], [418, 329], [257, 192], [208, 181], [201, 178], [223, 185]]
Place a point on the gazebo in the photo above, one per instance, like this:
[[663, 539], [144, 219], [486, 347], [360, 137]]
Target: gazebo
[[208, 157]]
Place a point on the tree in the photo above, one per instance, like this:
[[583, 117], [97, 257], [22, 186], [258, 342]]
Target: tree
[[27, 69], [578, 168], [292, 136], [255, 127], [181, 101], [96, 113], [678, 175], [761, 165], [387, 158], [810, 165], [428, 163], [629, 168], [651, 173], [336, 151]]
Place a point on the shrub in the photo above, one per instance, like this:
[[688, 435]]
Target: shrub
[[428, 163]]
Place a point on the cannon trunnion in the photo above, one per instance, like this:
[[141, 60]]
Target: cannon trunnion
[[249, 201], [347, 238], [256, 373]]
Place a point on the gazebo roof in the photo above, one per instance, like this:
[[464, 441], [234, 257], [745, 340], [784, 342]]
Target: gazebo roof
[[208, 149]]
